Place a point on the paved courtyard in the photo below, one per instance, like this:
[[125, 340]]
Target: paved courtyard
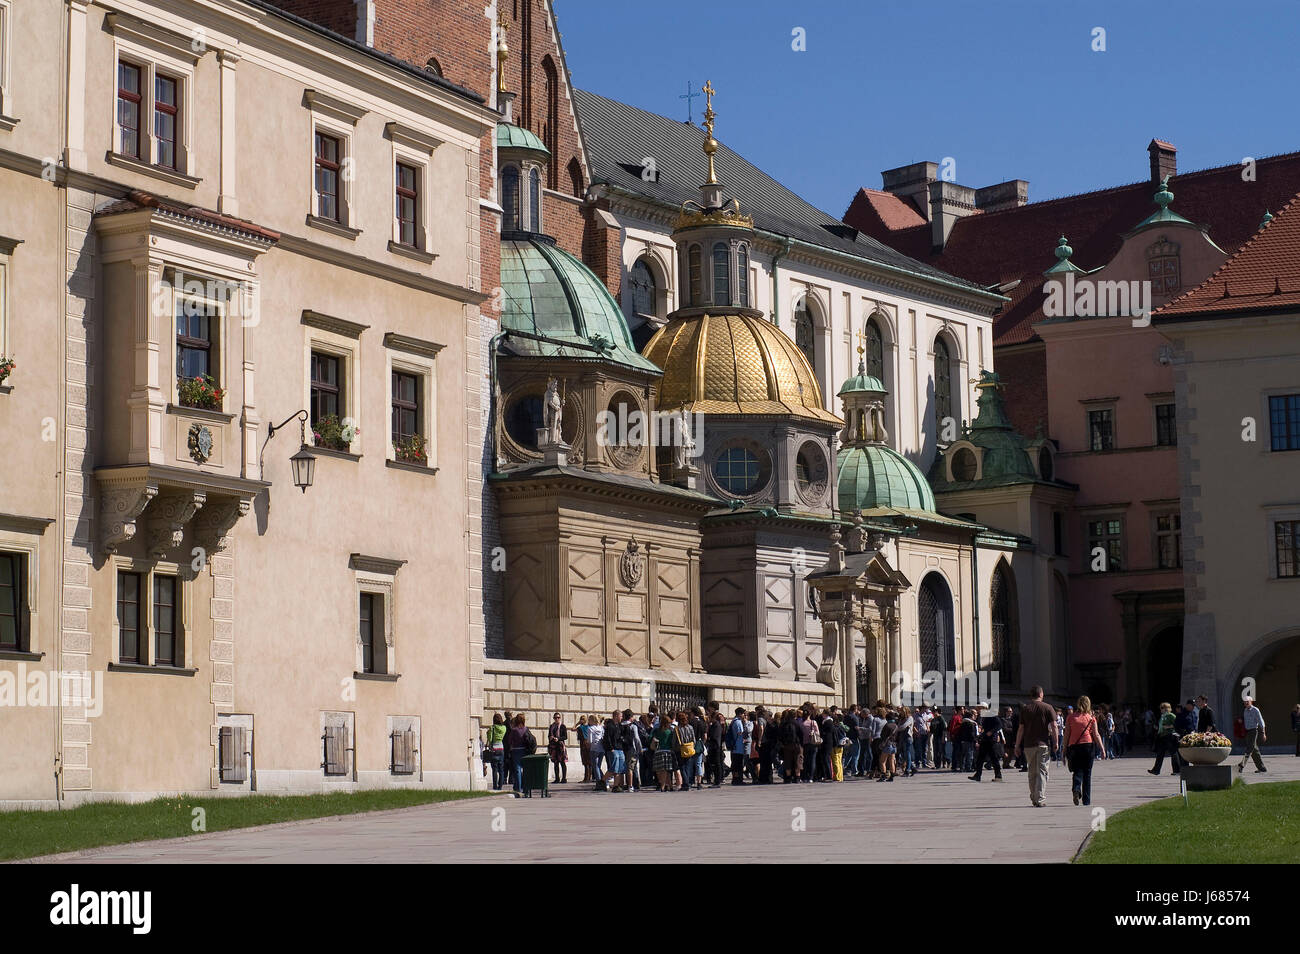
[[937, 816]]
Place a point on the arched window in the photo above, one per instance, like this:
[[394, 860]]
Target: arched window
[[575, 176], [510, 199], [550, 131], [696, 267], [934, 604], [1006, 634], [742, 274], [875, 353], [641, 284], [942, 384], [534, 201], [433, 66], [721, 278], [804, 335]]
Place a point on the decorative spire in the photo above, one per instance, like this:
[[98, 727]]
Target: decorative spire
[[1063, 250], [1268, 217], [1164, 196], [710, 144], [1063, 263]]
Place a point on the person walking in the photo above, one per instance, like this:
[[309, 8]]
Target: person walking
[[839, 739], [1256, 733], [1082, 736], [939, 732], [632, 748], [556, 738], [1167, 740], [1037, 731], [991, 747], [615, 755]]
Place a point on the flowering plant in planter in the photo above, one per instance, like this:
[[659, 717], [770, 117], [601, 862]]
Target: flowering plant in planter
[[1205, 740], [411, 450], [334, 434], [7, 366], [200, 391]]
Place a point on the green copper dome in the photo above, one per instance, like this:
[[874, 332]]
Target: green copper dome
[[861, 382], [516, 137], [875, 476], [550, 293]]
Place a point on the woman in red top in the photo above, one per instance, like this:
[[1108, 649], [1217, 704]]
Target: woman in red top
[[1082, 737]]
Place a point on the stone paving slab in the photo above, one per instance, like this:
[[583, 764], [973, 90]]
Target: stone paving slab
[[938, 816]]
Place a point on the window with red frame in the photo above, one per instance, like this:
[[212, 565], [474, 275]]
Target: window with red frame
[[408, 204], [166, 114], [128, 109], [327, 177]]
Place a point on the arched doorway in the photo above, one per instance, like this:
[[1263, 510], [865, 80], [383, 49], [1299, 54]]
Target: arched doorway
[[935, 625], [1164, 664], [1004, 612], [1273, 666]]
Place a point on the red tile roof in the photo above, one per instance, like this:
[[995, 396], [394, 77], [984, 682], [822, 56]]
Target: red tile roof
[[889, 210], [1263, 275], [1017, 244], [137, 199]]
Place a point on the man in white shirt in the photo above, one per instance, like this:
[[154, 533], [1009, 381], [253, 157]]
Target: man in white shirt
[[1253, 720]]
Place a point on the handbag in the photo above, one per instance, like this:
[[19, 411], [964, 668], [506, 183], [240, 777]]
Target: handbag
[[685, 749]]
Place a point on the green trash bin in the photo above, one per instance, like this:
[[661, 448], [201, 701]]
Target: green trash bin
[[537, 774]]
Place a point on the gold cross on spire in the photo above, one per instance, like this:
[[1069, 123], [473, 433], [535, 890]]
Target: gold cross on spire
[[861, 340], [710, 144]]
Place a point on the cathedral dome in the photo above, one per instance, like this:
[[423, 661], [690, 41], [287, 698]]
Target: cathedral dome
[[736, 363], [873, 476], [551, 294], [510, 136]]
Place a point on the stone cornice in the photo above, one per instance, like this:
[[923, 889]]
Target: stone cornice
[[338, 326], [412, 138], [374, 564], [18, 523], [417, 346], [333, 107]]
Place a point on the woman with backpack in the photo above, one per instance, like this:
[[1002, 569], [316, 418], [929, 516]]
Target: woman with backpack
[[1082, 736]]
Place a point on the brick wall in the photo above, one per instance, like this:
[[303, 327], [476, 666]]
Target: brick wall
[[1024, 372]]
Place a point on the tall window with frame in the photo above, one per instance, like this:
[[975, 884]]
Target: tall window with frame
[[198, 324], [695, 269], [13, 602], [408, 436], [742, 275], [368, 623], [326, 387], [1106, 534], [1166, 426], [166, 116], [641, 283], [1284, 422], [129, 105], [534, 200], [329, 161], [408, 204], [510, 216], [1169, 541], [1287, 536], [129, 620], [942, 384], [721, 275], [1101, 429], [166, 617], [874, 357]]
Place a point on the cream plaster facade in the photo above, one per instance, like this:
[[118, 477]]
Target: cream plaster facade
[[102, 478]]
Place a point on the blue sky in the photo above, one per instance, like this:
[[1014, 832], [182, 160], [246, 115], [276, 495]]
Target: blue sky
[[1008, 88]]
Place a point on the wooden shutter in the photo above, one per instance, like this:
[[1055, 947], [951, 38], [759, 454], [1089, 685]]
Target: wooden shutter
[[336, 753], [404, 752], [233, 746]]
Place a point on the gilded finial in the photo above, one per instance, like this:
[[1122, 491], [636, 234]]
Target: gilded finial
[[862, 337], [503, 52], [710, 144]]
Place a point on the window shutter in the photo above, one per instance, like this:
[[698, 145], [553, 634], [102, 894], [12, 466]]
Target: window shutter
[[404, 752], [336, 755], [233, 746]]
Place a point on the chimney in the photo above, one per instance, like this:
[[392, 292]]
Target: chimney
[[1164, 160], [912, 183], [1011, 194], [948, 203]]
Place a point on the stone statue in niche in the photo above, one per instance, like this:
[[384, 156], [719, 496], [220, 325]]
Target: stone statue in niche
[[553, 413], [684, 446]]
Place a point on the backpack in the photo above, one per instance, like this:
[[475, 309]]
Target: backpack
[[530, 743], [613, 736], [789, 735]]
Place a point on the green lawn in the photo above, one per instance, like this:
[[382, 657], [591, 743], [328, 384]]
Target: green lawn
[[1257, 823], [27, 834]]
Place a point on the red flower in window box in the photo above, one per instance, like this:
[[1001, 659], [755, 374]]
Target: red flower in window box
[[200, 392]]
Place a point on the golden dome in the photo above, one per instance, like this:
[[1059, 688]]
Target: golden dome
[[734, 364]]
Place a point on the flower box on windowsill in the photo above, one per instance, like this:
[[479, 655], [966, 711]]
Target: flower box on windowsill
[[416, 468], [202, 414], [200, 393]]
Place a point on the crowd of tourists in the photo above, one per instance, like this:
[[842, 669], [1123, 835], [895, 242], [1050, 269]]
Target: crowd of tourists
[[690, 749]]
